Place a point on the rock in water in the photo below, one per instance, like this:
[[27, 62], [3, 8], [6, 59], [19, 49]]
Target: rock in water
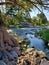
[[2, 63]]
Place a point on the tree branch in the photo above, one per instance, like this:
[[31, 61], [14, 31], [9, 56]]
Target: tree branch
[[33, 3], [15, 3], [8, 2]]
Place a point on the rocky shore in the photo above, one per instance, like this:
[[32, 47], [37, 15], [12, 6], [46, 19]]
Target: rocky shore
[[33, 57], [30, 57], [11, 54]]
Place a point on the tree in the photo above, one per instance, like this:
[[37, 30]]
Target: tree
[[39, 21], [25, 3], [26, 6], [34, 20], [42, 17], [22, 5], [19, 14]]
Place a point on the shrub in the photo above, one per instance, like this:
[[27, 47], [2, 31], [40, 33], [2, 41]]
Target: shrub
[[45, 35]]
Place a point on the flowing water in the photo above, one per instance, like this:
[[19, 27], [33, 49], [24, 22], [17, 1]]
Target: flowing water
[[38, 43]]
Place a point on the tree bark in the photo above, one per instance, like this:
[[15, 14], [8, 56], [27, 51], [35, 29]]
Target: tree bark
[[6, 38], [7, 45]]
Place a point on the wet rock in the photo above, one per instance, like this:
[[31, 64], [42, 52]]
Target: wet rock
[[2, 63]]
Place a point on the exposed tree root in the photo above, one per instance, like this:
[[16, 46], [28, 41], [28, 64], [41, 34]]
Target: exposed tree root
[[9, 48]]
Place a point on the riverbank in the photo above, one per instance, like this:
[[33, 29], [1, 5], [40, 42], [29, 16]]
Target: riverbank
[[20, 33], [30, 57], [33, 57]]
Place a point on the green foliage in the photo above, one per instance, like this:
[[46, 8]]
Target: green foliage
[[45, 36], [44, 33], [21, 12], [40, 19], [18, 14], [24, 44]]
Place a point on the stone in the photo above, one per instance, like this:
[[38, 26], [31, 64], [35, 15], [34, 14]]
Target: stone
[[38, 60], [0, 56], [32, 57], [29, 50], [14, 54], [41, 54], [24, 63], [27, 62], [2, 63], [44, 62], [13, 62], [17, 50]]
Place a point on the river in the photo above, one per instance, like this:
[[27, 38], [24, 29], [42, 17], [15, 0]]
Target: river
[[38, 43]]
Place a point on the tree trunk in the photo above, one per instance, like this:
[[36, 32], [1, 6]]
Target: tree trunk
[[9, 48], [6, 38]]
